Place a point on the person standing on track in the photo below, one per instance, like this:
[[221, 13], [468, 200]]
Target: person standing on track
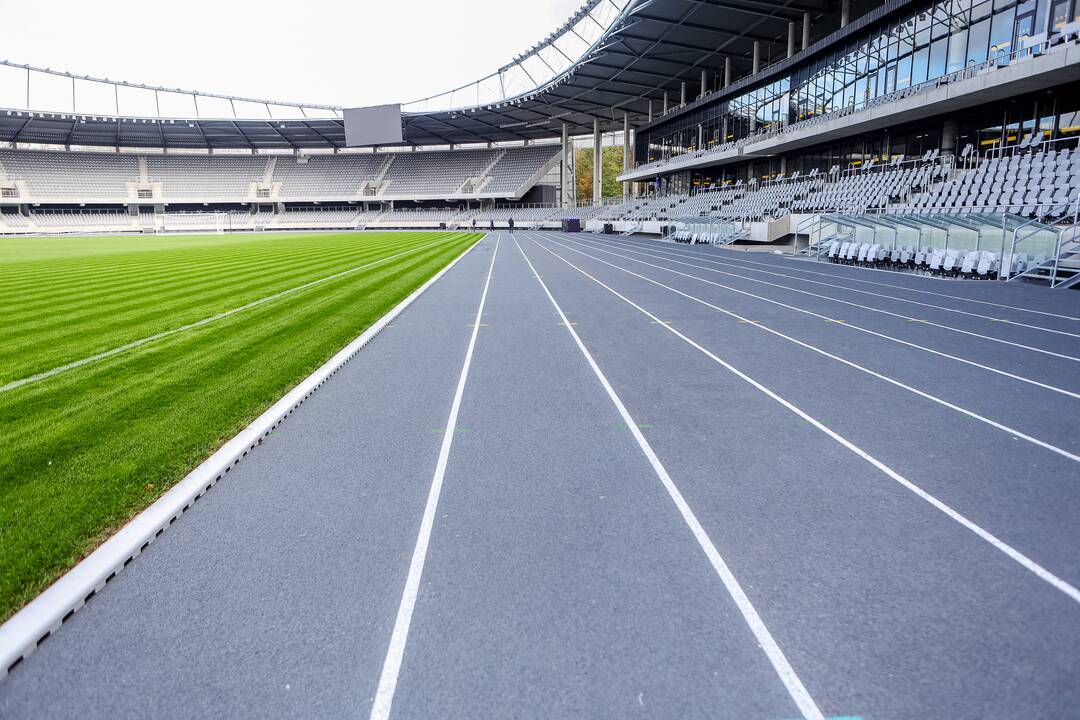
[[511, 226]]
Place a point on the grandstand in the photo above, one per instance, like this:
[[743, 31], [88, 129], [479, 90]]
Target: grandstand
[[777, 422]]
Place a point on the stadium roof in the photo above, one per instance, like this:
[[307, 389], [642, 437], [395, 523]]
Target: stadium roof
[[611, 57]]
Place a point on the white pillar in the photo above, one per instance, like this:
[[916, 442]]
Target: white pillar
[[806, 30], [566, 178], [727, 70], [757, 57], [704, 83], [845, 12], [650, 109], [597, 165], [682, 94], [626, 152], [790, 38], [665, 102]]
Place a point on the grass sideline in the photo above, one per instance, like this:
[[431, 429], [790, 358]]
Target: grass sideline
[[84, 450]]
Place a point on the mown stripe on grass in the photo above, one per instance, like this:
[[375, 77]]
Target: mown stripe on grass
[[205, 321], [43, 345], [164, 262]]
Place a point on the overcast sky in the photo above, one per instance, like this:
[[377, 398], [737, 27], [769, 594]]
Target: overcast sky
[[337, 52]]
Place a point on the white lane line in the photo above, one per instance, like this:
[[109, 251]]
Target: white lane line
[[732, 262], [940, 401], [890, 285], [1003, 373], [1041, 572], [794, 685], [384, 696], [205, 321], [858, 305]]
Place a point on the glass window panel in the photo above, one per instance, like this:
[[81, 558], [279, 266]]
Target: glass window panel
[[1060, 14], [978, 40], [940, 26], [922, 29], [920, 66], [1024, 28], [903, 73], [957, 51], [938, 51], [959, 15], [1069, 124], [1001, 33]]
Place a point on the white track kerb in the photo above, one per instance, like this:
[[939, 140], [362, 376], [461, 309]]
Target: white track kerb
[[21, 634]]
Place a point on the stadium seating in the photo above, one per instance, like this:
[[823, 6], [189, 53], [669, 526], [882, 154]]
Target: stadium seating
[[51, 175], [126, 177], [221, 177]]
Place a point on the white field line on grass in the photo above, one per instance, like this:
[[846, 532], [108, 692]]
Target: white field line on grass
[[1042, 573], [784, 671], [867, 308], [395, 653], [20, 635], [900, 287], [205, 321], [933, 398], [732, 262], [859, 328]]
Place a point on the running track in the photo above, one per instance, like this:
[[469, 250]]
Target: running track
[[589, 476]]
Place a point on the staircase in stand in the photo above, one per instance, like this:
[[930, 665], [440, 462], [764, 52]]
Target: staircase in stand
[[1062, 270]]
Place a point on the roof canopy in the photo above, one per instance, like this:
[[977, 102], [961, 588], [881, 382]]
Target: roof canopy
[[611, 57]]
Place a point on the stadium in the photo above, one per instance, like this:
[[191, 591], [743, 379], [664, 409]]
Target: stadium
[[709, 359]]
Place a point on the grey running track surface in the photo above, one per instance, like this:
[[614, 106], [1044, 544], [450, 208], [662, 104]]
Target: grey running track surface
[[561, 580]]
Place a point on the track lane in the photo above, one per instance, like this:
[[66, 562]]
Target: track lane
[[974, 467], [1057, 351], [1021, 302], [849, 290], [923, 357], [911, 614], [561, 581]]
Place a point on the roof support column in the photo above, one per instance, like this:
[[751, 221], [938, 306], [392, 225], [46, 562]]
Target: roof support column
[[806, 30], [790, 38], [727, 70], [566, 175], [757, 57], [682, 94], [845, 12], [597, 164], [650, 109], [626, 152], [704, 83], [665, 102]]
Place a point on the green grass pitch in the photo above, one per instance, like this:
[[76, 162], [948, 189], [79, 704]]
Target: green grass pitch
[[83, 450]]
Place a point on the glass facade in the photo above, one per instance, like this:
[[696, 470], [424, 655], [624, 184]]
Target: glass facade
[[918, 47], [1055, 115]]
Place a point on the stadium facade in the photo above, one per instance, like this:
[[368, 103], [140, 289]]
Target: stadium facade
[[890, 127]]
